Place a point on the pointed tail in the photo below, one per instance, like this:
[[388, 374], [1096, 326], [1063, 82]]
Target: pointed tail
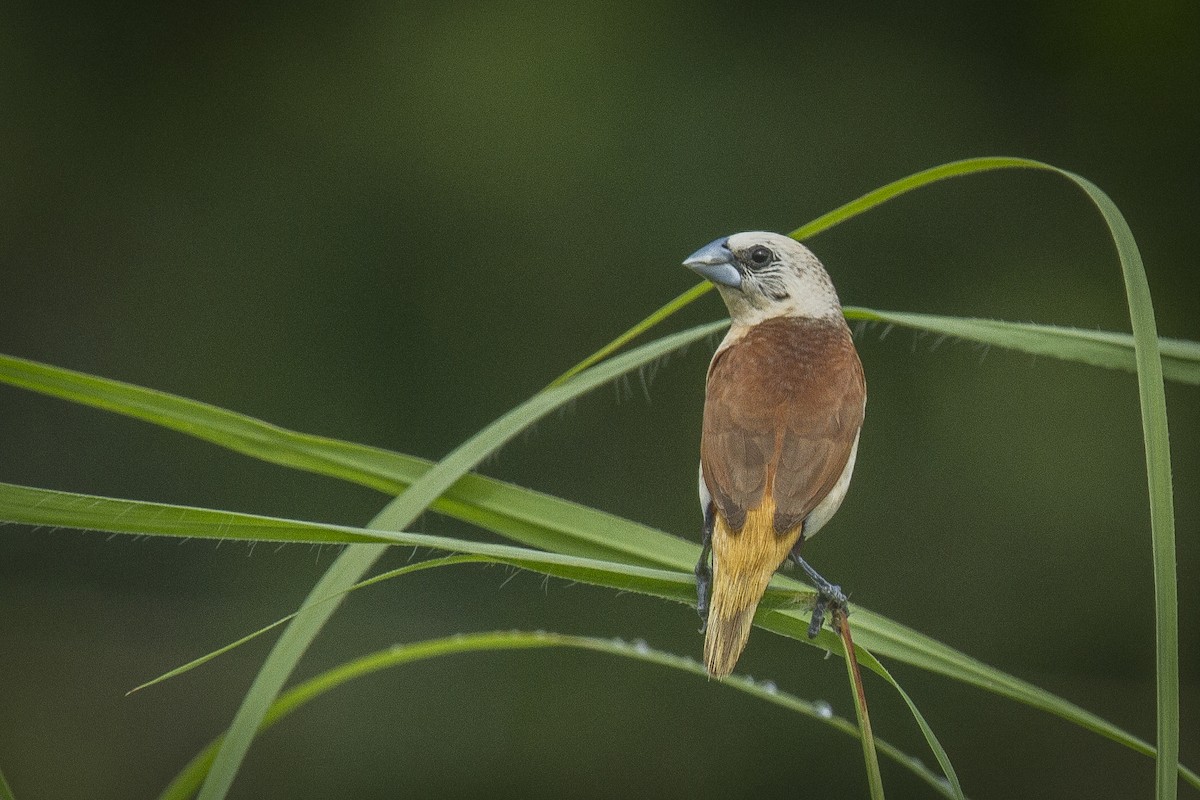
[[743, 564]]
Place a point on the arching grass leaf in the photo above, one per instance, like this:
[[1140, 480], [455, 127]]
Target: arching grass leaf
[[186, 783]]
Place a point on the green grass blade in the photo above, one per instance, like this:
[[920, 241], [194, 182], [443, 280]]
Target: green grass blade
[[900, 643], [1180, 359], [1153, 402], [186, 783], [861, 710], [287, 652], [954, 169], [520, 514], [530, 517], [433, 563], [6, 792], [939, 752], [379, 469], [352, 564], [781, 613], [45, 507], [54, 509]]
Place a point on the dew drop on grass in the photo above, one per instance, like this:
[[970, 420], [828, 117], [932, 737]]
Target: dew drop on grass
[[770, 688], [823, 709], [640, 646]]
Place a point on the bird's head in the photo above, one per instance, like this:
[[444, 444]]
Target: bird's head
[[764, 275]]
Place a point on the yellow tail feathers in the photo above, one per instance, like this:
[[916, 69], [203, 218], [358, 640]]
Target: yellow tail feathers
[[743, 564]]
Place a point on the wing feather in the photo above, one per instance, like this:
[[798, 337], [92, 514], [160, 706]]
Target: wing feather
[[784, 403]]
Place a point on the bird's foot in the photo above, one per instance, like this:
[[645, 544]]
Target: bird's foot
[[823, 603], [829, 595]]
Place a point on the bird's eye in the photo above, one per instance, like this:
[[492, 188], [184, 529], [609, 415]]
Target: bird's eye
[[760, 256]]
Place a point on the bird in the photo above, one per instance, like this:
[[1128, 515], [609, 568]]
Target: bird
[[785, 398]]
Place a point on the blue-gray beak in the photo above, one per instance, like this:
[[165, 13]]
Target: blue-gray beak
[[715, 262]]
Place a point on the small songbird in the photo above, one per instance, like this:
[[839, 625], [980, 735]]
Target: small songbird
[[782, 413]]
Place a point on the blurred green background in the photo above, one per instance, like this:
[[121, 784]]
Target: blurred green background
[[391, 223]]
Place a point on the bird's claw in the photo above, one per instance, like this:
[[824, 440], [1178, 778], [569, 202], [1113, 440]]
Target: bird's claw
[[834, 600], [829, 595]]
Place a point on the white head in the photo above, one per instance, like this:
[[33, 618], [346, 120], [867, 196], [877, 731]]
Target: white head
[[762, 275]]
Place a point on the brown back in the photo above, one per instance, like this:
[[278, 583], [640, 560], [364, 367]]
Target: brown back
[[783, 406]]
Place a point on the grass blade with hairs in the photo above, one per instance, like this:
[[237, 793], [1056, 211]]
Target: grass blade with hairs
[[521, 514], [780, 611], [1180, 359], [189, 779]]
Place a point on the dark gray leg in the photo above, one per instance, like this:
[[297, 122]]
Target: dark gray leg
[[828, 594], [703, 571]]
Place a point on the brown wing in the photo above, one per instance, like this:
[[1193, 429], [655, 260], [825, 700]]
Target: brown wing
[[784, 404]]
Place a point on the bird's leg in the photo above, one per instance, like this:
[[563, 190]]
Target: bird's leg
[[828, 594], [703, 571]]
